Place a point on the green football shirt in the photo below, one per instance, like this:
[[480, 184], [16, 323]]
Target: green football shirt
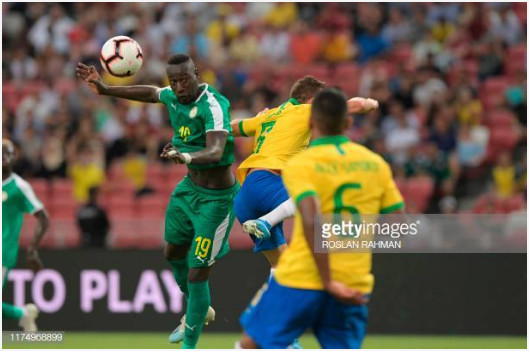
[[209, 112], [17, 198]]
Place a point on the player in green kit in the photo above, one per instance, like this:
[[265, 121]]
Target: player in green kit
[[200, 212], [17, 199]]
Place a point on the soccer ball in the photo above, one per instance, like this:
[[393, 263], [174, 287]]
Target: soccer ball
[[121, 56]]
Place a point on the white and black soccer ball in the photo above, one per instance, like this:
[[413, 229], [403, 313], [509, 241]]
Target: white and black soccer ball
[[121, 56]]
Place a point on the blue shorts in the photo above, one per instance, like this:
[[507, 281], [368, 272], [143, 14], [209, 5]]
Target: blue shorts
[[281, 314], [261, 193]]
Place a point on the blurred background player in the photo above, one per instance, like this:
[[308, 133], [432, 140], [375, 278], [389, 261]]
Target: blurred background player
[[280, 133], [325, 292], [93, 222], [18, 198], [200, 212]]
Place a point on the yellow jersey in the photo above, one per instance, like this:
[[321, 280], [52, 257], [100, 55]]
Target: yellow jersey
[[280, 133], [342, 175]]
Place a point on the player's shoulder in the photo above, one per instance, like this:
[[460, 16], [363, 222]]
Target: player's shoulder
[[21, 183], [211, 94]]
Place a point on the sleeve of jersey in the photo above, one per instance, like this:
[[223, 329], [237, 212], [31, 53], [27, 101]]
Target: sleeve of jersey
[[391, 199], [248, 127], [30, 202], [298, 181], [218, 117], [164, 95]]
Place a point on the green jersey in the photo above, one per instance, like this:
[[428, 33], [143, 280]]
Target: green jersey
[[17, 198], [209, 112]]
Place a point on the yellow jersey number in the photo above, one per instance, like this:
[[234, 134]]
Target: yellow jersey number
[[203, 246], [184, 132], [339, 205], [265, 129]]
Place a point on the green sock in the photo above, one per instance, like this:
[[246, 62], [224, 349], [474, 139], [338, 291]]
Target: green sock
[[180, 270], [11, 312], [197, 309]]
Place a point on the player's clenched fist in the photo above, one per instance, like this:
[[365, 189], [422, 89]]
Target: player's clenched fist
[[91, 77], [361, 105]]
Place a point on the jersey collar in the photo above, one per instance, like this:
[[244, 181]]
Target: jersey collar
[[205, 85], [294, 101], [330, 140], [8, 179]]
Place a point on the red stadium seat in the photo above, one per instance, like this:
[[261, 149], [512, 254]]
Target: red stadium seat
[[62, 187], [121, 211], [419, 191], [504, 138], [500, 118], [494, 85]]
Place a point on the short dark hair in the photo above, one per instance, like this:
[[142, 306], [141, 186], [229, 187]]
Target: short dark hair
[[305, 88], [329, 111], [178, 59]]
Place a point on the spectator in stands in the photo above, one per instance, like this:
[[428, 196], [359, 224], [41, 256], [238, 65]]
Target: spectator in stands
[[192, 42], [275, 44], [470, 150], [491, 56], [401, 132], [516, 96], [337, 46], [398, 29], [93, 222], [85, 172], [371, 43], [505, 24], [504, 175], [468, 108], [443, 133], [135, 170], [305, 45]]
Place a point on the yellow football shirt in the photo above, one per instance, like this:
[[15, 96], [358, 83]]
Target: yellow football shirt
[[280, 133], [341, 174]]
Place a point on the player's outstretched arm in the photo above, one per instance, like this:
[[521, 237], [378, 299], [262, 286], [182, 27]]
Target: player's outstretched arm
[[32, 254], [361, 105], [143, 93]]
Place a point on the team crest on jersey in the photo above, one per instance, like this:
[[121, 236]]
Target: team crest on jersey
[[4, 196], [193, 112]]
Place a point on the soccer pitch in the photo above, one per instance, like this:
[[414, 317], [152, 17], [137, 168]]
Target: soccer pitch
[[77, 340]]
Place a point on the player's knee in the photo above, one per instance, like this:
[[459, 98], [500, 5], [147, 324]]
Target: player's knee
[[175, 252], [247, 342], [198, 275]]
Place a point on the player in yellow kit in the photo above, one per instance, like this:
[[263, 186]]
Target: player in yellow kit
[[280, 133], [326, 292]]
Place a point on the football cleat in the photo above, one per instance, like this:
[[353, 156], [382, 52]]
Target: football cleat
[[258, 227], [27, 322], [178, 334]]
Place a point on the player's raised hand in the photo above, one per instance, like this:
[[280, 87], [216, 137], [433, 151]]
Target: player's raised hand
[[33, 260], [91, 77], [345, 294]]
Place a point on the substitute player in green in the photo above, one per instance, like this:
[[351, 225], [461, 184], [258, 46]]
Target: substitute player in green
[[17, 199], [200, 212]]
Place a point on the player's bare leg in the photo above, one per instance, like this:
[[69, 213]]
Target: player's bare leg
[[246, 342]]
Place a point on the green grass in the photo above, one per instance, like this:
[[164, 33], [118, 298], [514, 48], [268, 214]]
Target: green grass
[[77, 340]]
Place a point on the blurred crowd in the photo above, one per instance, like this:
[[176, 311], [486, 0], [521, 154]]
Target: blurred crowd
[[450, 79]]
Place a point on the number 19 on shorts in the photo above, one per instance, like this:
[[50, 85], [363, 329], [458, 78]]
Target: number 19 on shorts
[[203, 246]]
